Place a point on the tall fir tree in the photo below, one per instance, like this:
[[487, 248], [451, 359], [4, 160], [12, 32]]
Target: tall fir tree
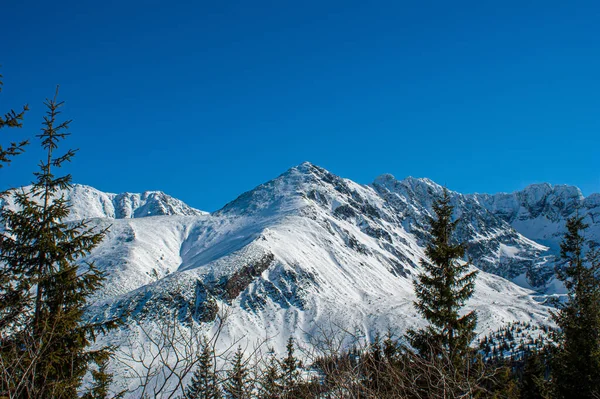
[[48, 349], [442, 290], [101, 381], [390, 348], [238, 385], [373, 365], [576, 364], [290, 370], [269, 385], [533, 381], [204, 383]]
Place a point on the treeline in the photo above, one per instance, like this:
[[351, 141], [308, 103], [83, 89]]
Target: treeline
[[515, 341], [48, 348]]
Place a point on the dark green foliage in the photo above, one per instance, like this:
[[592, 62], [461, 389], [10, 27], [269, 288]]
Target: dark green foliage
[[11, 119], [391, 349], [443, 289], [102, 381], [533, 381], [576, 365], [47, 349], [238, 384], [204, 384], [500, 379]]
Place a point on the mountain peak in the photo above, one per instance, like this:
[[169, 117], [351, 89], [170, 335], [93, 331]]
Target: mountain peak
[[305, 165], [298, 187]]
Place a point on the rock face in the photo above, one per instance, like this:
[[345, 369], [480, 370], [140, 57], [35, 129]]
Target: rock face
[[493, 244], [540, 211]]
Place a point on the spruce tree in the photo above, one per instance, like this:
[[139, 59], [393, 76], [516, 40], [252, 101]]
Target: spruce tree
[[204, 384], [102, 380], [374, 365], [269, 386], [11, 119], [576, 365], [237, 385], [390, 348], [442, 290], [533, 381], [47, 350], [290, 373], [504, 383]]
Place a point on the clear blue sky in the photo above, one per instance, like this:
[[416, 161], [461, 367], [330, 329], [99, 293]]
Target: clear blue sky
[[205, 100]]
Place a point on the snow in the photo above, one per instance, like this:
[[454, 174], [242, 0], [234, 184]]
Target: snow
[[88, 203], [344, 256], [329, 271]]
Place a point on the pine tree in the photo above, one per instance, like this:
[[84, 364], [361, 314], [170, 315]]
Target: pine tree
[[576, 365], [204, 384], [11, 119], [270, 381], [504, 384], [290, 373], [533, 381], [47, 350], [390, 348], [238, 385], [443, 289], [373, 365], [102, 381]]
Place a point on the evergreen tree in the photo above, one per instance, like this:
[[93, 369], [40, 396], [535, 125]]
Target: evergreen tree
[[11, 119], [47, 349], [290, 373], [237, 385], [270, 381], [204, 384], [102, 381], [533, 381], [507, 387], [576, 365], [443, 289], [12, 292], [390, 347], [373, 365]]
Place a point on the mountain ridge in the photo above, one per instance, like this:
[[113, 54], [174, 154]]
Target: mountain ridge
[[304, 251]]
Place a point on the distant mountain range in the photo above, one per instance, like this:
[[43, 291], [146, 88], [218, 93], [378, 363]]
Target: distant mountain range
[[309, 249]]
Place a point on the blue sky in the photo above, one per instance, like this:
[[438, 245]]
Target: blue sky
[[205, 100]]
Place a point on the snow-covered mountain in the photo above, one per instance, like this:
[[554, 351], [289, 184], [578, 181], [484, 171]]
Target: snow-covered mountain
[[540, 211], [310, 250], [493, 244], [306, 249], [89, 203]]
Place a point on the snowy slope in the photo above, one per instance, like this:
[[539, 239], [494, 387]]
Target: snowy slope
[[304, 252], [492, 243], [540, 211]]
